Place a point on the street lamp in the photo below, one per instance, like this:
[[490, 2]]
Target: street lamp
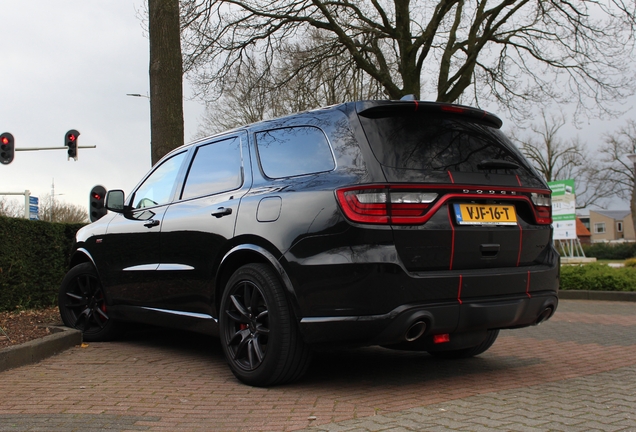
[[138, 95], [149, 116], [53, 195]]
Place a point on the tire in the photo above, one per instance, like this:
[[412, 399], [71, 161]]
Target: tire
[[258, 331], [83, 305], [468, 352]]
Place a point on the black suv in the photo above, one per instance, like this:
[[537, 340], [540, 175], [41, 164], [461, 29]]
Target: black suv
[[407, 224]]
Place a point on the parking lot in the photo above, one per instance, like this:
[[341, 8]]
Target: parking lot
[[575, 372]]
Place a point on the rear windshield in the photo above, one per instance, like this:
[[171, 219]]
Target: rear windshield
[[441, 143]]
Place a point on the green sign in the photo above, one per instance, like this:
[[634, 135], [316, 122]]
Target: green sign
[[563, 209]]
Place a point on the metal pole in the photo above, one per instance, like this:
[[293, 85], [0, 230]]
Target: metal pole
[[51, 148], [27, 195]]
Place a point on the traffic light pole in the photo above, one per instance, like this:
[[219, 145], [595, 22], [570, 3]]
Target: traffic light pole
[[51, 148], [27, 195], [8, 148]]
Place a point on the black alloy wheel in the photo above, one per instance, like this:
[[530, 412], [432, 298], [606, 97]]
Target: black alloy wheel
[[259, 334], [83, 305], [248, 325]]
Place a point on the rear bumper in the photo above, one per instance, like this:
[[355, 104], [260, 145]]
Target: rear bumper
[[439, 318]]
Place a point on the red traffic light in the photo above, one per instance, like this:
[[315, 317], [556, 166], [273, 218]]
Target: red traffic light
[[96, 209], [71, 138], [7, 148]]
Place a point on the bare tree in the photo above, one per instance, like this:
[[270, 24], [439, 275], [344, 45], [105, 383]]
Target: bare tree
[[59, 211], [511, 51], [554, 158], [291, 85], [11, 208], [618, 169], [166, 77], [232, 110], [49, 210], [558, 159]]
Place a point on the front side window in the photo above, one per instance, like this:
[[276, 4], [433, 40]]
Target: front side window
[[294, 151], [619, 226], [215, 168], [157, 188]]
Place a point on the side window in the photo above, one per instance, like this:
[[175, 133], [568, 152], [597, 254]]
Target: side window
[[216, 168], [294, 151], [157, 189]]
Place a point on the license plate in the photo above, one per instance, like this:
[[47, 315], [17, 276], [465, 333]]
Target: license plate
[[485, 214]]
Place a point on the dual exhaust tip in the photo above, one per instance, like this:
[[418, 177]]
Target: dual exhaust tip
[[418, 327]]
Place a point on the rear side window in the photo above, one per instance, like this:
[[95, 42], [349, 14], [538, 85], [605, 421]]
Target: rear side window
[[437, 143], [294, 151], [215, 168]]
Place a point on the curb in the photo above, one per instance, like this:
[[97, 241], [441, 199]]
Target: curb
[[597, 295], [62, 338]]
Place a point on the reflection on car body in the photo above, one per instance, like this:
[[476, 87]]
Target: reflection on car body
[[408, 224]]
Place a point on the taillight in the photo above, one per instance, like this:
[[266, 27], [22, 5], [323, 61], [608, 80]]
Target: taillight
[[542, 207], [387, 205], [416, 204]]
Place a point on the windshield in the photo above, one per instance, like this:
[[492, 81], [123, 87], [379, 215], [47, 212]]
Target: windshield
[[441, 143]]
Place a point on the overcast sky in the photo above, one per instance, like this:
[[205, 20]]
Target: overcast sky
[[68, 64]]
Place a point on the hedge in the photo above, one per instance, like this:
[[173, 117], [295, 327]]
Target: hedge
[[598, 277], [34, 258], [611, 251]]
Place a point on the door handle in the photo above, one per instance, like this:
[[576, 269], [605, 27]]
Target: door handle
[[151, 223], [222, 211]]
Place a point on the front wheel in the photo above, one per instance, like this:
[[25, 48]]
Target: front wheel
[[259, 334], [83, 305]]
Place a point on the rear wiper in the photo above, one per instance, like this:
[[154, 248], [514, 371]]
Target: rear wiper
[[497, 164]]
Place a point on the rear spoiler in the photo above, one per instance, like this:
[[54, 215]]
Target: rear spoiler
[[381, 109]]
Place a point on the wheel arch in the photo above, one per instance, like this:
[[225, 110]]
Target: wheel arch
[[81, 256], [244, 254]]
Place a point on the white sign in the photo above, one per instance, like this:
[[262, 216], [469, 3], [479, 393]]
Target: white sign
[[563, 209]]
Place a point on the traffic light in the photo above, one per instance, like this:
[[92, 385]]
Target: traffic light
[[96, 209], [7, 148], [70, 141]]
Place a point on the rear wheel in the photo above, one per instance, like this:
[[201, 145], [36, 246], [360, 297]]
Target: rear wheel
[[83, 305], [259, 334], [469, 352]]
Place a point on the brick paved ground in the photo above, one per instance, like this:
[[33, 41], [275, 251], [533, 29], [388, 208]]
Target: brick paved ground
[[575, 372]]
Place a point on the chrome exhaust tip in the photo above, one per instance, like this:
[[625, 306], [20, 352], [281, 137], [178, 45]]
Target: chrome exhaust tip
[[547, 313], [415, 331]]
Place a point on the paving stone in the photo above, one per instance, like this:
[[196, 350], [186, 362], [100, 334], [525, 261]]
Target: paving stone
[[574, 373]]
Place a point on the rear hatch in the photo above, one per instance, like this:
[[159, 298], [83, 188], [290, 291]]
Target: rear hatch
[[458, 194]]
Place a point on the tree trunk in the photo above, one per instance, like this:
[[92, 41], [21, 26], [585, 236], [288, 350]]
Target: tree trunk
[[632, 203], [166, 78]]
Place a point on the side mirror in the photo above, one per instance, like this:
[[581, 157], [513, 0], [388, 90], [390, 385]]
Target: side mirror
[[115, 201]]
